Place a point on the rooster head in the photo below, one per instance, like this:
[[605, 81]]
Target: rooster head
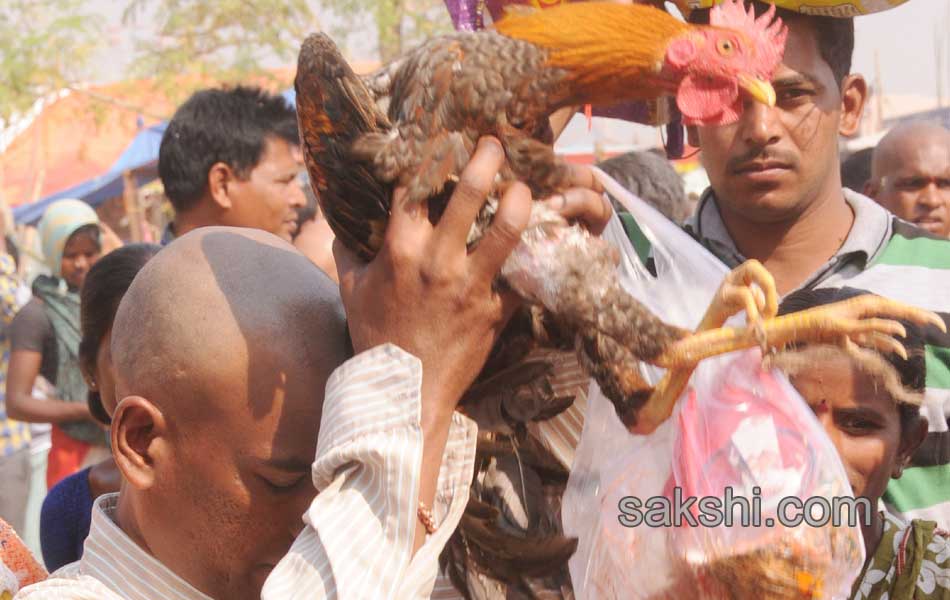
[[736, 53]]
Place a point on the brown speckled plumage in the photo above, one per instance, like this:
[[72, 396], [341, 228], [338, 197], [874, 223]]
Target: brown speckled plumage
[[356, 157], [337, 110], [467, 92]]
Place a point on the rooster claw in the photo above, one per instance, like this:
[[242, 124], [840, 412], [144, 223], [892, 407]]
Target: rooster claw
[[867, 321]]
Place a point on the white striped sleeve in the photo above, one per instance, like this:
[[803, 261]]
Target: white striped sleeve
[[358, 537]]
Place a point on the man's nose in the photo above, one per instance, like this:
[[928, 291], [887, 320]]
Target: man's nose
[[80, 263], [297, 198], [759, 124], [932, 196]]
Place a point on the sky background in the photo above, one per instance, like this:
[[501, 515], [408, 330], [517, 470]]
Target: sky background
[[904, 38]]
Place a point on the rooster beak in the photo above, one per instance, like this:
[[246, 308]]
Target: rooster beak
[[759, 89]]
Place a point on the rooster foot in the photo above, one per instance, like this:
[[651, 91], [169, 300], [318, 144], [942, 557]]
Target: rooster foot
[[867, 321]]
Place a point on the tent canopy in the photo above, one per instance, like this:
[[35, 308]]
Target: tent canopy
[[140, 157]]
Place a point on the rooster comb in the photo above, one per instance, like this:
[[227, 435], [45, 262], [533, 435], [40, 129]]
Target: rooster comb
[[767, 32]]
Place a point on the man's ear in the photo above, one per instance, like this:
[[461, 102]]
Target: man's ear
[[220, 177], [854, 95], [692, 136], [871, 188], [910, 442], [139, 440]]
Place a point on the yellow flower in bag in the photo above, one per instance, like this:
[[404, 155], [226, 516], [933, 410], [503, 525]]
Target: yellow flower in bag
[[830, 8]]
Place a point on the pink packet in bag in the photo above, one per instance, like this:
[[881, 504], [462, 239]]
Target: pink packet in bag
[[745, 441]]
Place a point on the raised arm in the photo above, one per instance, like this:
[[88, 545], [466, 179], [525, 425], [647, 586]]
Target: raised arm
[[423, 317]]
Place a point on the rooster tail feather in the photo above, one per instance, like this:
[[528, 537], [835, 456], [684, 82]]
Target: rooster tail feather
[[509, 542], [334, 109]]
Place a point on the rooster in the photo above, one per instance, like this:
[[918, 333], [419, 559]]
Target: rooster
[[452, 89], [508, 81], [505, 82]]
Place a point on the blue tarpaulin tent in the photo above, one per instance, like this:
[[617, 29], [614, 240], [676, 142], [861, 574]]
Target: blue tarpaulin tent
[[141, 158]]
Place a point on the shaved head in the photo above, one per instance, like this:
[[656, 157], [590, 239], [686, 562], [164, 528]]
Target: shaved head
[[904, 141], [910, 175], [215, 296], [222, 346]]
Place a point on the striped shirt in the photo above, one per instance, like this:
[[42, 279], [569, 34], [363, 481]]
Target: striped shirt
[[561, 434], [889, 257], [357, 542]]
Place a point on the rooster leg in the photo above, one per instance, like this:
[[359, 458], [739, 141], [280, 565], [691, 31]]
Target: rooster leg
[[866, 321], [617, 373], [749, 287]]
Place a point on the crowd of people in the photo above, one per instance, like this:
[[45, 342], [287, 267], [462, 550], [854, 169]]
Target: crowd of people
[[250, 411]]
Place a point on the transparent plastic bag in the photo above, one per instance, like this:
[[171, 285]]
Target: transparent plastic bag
[[737, 426]]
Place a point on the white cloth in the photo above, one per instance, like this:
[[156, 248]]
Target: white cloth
[[358, 538]]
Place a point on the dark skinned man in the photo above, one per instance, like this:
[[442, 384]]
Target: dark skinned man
[[910, 175]]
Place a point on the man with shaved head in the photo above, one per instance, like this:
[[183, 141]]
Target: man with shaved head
[[910, 175], [224, 346]]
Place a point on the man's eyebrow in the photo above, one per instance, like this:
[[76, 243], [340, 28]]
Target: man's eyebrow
[[862, 411], [793, 80]]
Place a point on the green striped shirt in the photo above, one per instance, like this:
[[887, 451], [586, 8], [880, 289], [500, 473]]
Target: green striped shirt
[[891, 258]]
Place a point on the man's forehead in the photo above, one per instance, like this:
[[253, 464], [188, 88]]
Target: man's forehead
[[279, 155], [926, 153], [802, 57], [283, 433]]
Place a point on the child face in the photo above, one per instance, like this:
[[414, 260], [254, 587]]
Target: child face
[[861, 418]]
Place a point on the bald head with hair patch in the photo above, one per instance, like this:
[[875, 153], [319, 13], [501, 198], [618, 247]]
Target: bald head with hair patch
[[910, 175], [222, 346]]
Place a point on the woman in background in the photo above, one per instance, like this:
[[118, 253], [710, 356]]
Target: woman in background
[[44, 340]]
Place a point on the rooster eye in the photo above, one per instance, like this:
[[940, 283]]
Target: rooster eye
[[725, 47]]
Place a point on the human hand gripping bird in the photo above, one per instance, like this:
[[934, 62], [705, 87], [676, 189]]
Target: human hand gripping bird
[[505, 82]]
